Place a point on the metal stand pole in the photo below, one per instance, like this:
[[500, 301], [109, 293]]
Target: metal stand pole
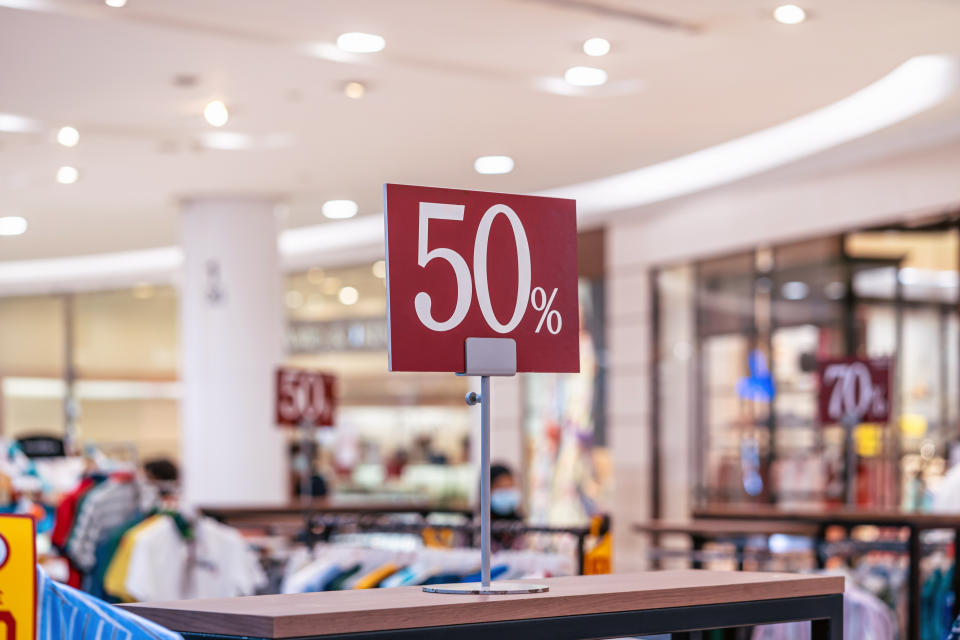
[[487, 357], [485, 482]]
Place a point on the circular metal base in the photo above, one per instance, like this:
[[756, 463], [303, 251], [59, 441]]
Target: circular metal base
[[495, 588]]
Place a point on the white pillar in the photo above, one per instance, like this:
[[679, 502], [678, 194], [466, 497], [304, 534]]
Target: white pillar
[[231, 340]]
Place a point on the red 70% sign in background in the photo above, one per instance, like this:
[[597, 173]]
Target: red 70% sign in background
[[473, 264], [854, 388]]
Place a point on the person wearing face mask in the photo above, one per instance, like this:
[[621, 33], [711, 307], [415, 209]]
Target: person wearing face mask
[[504, 507], [504, 493]]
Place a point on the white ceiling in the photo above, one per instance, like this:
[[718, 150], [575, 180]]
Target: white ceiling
[[458, 79]]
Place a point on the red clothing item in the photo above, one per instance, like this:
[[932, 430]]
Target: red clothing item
[[66, 512]]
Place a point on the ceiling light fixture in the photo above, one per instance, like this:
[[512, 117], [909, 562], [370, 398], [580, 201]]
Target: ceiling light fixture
[[585, 76], [915, 86], [596, 47], [12, 225], [116, 4], [67, 175], [493, 165], [356, 42], [216, 113], [339, 209], [354, 90], [379, 269], [68, 136], [789, 14], [13, 123], [348, 295]]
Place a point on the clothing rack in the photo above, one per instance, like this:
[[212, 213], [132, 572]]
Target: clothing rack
[[320, 524]]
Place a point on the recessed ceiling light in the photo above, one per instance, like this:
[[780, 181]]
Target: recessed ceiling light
[[354, 90], [493, 165], [356, 42], [789, 14], [67, 175], [13, 123], [379, 269], [585, 76], [116, 4], [68, 136], [216, 113], [339, 209], [12, 225], [348, 295], [596, 47]]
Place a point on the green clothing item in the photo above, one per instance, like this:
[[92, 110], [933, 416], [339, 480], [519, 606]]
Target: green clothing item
[[337, 583], [105, 552]]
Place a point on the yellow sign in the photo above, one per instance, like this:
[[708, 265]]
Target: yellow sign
[[18, 578]]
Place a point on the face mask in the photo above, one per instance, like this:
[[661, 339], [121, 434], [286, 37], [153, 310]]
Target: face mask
[[504, 501]]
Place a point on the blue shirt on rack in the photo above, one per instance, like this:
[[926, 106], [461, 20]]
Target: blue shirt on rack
[[65, 612]]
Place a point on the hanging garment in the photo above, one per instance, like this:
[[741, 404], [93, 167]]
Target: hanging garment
[[105, 507], [106, 551], [115, 575], [216, 562], [375, 577], [65, 612], [864, 616]]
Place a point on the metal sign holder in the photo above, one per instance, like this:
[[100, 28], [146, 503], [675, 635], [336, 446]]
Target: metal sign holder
[[487, 357]]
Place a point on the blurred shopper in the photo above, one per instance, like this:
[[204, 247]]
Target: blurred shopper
[[504, 493]]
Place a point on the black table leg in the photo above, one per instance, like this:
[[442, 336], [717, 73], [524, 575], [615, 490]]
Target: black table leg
[[829, 628], [913, 588]]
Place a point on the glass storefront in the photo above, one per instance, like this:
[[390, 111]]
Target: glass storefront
[[756, 325], [102, 368]]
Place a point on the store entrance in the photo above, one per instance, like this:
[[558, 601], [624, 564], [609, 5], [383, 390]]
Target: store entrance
[[762, 320]]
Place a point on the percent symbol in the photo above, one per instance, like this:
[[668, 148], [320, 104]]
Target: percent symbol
[[549, 314]]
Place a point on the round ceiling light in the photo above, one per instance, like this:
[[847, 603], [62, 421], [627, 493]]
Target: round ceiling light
[[12, 225], [354, 90], [789, 14], [116, 4], [216, 113], [355, 42], [67, 175], [379, 269], [493, 165], [596, 47], [585, 76], [68, 136], [338, 209]]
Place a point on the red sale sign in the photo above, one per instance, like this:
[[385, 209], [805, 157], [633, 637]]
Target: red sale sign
[[472, 264], [854, 388], [304, 397]]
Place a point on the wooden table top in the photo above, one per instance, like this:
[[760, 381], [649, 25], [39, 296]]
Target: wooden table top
[[718, 527], [290, 616], [843, 515]]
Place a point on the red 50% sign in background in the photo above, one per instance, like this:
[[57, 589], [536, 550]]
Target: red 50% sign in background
[[472, 264], [854, 388], [304, 397]]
